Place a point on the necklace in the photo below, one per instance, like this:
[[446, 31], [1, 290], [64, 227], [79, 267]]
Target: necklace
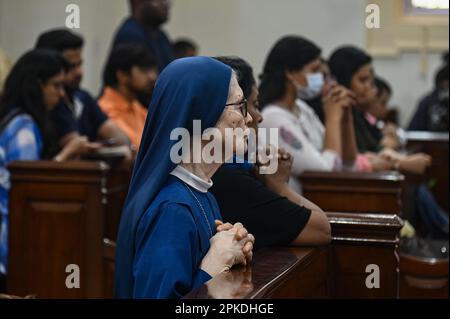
[[201, 207]]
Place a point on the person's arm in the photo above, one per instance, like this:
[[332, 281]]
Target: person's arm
[[167, 250], [110, 131], [333, 136], [76, 146], [318, 230], [293, 140], [349, 148], [165, 259]]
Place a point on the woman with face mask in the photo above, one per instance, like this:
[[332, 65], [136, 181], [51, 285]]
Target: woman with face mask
[[292, 74]]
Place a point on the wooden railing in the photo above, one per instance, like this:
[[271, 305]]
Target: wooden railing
[[60, 214], [353, 191], [334, 271], [67, 213]]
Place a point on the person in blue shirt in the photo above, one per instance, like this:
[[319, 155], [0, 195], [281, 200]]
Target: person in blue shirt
[[33, 88], [168, 242], [144, 27], [78, 114]]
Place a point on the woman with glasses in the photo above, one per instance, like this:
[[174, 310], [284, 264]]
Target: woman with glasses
[[33, 87], [171, 238], [292, 74]]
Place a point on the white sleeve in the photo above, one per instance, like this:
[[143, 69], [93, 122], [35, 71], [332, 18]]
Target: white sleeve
[[293, 140]]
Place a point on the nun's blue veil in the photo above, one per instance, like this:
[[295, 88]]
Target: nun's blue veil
[[187, 89]]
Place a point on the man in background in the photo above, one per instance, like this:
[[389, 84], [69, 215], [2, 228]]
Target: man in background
[[130, 70], [432, 112], [78, 114], [144, 27], [184, 48]]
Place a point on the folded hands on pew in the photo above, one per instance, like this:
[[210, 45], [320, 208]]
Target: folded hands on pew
[[231, 245]]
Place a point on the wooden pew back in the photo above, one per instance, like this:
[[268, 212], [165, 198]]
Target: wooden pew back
[[354, 192], [335, 271], [60, 214]]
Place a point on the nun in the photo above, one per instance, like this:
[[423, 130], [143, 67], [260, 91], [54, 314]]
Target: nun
[[171, 238]]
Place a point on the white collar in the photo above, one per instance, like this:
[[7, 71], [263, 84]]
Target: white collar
[[191, 179]]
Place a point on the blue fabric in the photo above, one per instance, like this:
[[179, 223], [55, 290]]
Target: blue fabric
[[158, 43], [434, 217], [87, 123], [171, 240], [187, 89], [20, 140]]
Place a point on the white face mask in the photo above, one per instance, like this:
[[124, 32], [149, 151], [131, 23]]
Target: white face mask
[[314, 88]]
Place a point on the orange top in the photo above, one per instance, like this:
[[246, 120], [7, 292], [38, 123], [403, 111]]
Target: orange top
[[129, 117]]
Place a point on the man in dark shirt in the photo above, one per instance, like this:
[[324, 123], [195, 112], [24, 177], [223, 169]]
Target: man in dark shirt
[[265, 204], [78, 114], [143, 27], [432, 113]]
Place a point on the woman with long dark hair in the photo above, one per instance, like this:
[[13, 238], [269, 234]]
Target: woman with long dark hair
[[33, 87], [293, 74]]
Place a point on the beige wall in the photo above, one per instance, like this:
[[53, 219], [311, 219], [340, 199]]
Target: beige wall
[[247, 28]]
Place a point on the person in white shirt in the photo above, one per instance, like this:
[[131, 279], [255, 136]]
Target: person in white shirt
[[293, 73]]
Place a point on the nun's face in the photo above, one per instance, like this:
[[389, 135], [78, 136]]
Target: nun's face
[[233, 118], [362, 85]]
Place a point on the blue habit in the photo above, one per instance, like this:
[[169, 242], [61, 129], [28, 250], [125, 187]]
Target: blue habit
[[162, 237], [171, 240]]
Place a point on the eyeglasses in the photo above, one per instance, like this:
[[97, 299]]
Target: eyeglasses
[[242, 106]]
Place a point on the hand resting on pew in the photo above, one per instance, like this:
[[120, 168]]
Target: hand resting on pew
[[76, 147], [229, 247], [236, 284]]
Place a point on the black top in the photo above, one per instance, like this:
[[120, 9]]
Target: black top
[[271, 218], [432, 114], [84, 116], [368, 136]]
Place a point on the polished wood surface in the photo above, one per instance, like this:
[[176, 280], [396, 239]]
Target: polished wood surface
[[274, 273], [436, 145], [60, 214], [334, 271], [423, 277], [354, 191], [360, 240]]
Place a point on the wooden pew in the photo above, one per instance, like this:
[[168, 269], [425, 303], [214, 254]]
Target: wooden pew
[[354, 191], [60, 214], [61, 211], [423, 277], [436, 145], [274, 273], [360, 240], [334, 271]]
